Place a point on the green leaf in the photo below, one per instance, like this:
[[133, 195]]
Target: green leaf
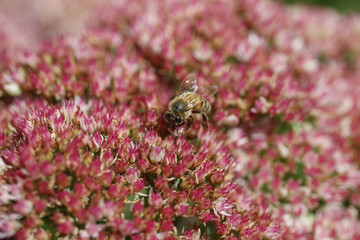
[[298, 175], [231, 60], [48, 225], [142, 110], [283, 127], [265, 188]]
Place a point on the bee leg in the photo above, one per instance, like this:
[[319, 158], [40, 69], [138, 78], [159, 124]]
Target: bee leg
[[180, 124], [176, 128], [191, 120], [205, 121], [171, 129]]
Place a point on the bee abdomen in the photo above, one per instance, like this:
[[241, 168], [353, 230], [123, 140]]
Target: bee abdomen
[[204, 106], [207, 106]]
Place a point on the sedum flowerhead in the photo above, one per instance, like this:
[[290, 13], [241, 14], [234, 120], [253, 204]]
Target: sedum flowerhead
[[85, 152]]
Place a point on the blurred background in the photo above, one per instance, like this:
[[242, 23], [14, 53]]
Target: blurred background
[[345, 6], [24, 23]]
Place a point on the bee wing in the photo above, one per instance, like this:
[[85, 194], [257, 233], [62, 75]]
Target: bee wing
[[189, 84], [209, 91]]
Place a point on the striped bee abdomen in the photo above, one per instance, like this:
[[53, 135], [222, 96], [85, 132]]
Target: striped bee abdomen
[[196, 102], [207, 107]]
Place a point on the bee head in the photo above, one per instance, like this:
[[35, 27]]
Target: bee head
[[171, 118]]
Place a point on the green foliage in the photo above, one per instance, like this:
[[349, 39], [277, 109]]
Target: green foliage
[[345, 6], [299, 173], [49, 226], [282, 127]]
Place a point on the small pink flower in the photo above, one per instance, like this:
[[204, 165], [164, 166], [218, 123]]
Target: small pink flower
[[222, 206], [138, 186], [23, 207], [94, 229], [179, 170], [167, 212], [8, 226], [217, 177], [279, 62], [261, 105], [114, 190], [91, 184], [273, 232], [95, 166], [32, 221], [132, 175], [65, 228], [39, 205], [167, 171], [150, 226], [157, 154], [206, 216], [41, 234], [47, 169], [137, 208], [74, 204], [95, 212], [169, 159], [152, 138], [167, 225], [155, 199], [96, 141], [203, 53], [106, 178], [247, 47], [151, 118], [23, 234], [161, 183], [80, 190], [127, 227], [9, 192], [142, 164], [222, 229], [181, 209]]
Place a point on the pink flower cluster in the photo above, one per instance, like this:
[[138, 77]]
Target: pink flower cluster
[[85, 152], [77, 170]]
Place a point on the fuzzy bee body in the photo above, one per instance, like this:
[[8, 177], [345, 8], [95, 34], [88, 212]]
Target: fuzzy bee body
[[182, 107], [199, 103]]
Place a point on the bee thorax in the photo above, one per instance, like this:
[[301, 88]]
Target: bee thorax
[[179, 106]]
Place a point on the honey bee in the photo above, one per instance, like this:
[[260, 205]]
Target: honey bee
[[187, 102]]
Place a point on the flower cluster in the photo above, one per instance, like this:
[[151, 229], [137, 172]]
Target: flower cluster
[[85, 152], [69, 174]]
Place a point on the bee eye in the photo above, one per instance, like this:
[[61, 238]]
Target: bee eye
[[167, 115], [178, 120]]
